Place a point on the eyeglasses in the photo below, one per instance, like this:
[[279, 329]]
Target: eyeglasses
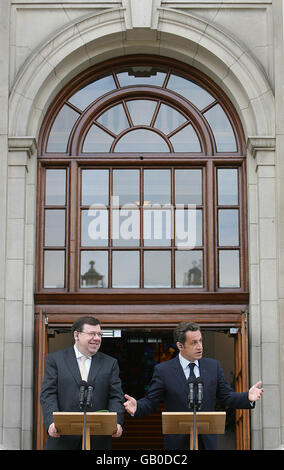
[[91, 334]]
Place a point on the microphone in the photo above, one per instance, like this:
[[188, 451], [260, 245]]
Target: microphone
[[83, 386], [191, 383], [200, 384], [89, 396]]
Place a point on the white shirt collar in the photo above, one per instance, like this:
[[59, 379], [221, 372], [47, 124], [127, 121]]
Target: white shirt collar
[[78, 353], [184, 362]]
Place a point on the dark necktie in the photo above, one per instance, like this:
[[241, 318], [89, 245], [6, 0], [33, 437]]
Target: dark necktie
[[191, 367]]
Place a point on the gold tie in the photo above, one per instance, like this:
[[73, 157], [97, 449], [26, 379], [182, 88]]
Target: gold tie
[[83, 368]]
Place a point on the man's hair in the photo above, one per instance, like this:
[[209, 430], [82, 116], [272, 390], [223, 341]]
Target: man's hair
[[78, 324], [182, 328]]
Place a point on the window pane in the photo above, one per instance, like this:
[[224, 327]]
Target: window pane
[[189, 90], [228, 187], [94, 228], [122, 277], [54, 269], [141, 75], [157, 187], [186, 140], [157, 269], [222, 129], [114, 119], [95, 187], [188, 187], [229, 268], [157, 227], [126, 227], [60, 131], [189, 269], [228, 227], [91, 92], [97, 140], [55, 187], [94, 269], [54, 227], [188, 228], [141, 111], [126, 186], [141, 140], [168, 119]]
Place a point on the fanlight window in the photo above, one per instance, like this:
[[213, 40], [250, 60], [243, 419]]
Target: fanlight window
[[142, 174], [142, 125]]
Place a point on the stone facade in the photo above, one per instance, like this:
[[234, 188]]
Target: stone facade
[[43, 44]]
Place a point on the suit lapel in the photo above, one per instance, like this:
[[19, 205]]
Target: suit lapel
[[179, 374], [96, 364], [72, 364]]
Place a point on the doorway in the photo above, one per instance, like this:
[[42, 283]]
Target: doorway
[[138, 350]]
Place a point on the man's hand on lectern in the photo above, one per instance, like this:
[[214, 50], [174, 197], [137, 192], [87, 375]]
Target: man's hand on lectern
[[130, 405]]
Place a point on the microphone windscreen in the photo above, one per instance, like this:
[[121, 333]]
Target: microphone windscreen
[[83, 383]]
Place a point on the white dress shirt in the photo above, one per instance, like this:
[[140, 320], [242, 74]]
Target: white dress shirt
[[79, 355], [184, 364]]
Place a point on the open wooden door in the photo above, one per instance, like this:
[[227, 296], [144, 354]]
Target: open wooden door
[[41, 349], [242, 385]]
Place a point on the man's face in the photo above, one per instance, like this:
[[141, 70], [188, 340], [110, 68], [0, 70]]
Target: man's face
[[192, 348], [88, 340]]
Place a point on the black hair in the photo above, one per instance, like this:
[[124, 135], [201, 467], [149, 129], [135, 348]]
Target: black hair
[[182, 328], [78, 324]]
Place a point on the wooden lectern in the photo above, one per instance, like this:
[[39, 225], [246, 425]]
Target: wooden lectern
[[99, 423], [183, 423]]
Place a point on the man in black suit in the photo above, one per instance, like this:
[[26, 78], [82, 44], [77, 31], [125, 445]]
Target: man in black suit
[[170, 385], [63, 377]]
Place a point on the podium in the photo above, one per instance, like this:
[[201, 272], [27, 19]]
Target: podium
[[96, 423], [183, 423]]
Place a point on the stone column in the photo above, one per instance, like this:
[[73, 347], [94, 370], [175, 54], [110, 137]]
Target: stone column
[[18, 301], [264, 316]]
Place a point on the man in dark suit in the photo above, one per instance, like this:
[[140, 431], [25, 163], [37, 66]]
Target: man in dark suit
[[64, 372], [170, 385]]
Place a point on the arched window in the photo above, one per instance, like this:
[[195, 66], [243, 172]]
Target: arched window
[[142, 184]]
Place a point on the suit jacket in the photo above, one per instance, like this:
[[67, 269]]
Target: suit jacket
[[170, 386], [60, 392]]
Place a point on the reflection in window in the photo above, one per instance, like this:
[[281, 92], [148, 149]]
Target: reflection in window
[[55, 187], [91, 92], [121, 277], [157, 269], [189, 90], [188, 228], [157, 227], [60, 131], [141, 140], [114, 119], [157, 187], [97, 140], [189, 269], [94, 227], [186, 140], [141, 111], [54, 227], [94, 189], [126, 184], [168, 119], [222, 129], [125, 227], [229, 268], [94, 269], [54, 269], [227, 186], [188, 186], [228, 224]]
